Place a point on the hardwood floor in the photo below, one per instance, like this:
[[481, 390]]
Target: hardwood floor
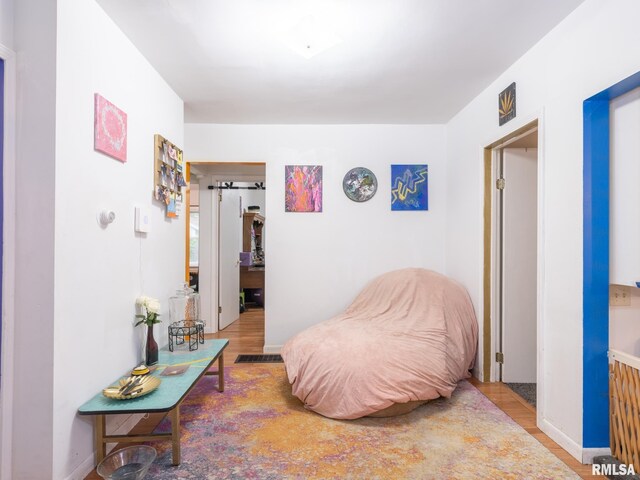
[[525, 415], [246, 335]]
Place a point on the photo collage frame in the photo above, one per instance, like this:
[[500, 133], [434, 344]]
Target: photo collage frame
[[169, 175]]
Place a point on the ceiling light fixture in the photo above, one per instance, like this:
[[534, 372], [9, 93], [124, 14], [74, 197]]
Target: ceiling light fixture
[[309, 37]]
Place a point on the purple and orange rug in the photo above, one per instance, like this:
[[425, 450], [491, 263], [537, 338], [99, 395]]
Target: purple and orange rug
[[257, 430]]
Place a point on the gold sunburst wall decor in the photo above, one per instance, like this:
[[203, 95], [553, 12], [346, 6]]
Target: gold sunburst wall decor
[[507, 104]]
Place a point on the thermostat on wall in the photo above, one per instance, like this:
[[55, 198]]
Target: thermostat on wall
[[143, 222]]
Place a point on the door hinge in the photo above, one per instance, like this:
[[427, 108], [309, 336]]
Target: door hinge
[[219, 309], [500, 183], [499, 357], [219, 195]]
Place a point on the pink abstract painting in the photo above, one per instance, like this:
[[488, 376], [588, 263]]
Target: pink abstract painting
[[303, 188], [109, 129]]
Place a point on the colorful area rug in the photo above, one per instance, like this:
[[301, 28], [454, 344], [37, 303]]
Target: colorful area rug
[[257, 430]]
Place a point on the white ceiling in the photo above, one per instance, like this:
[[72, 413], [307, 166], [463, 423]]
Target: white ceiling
[[401, 61]]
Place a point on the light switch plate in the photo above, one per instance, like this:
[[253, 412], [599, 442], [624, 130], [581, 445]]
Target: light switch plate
[[143, 221]]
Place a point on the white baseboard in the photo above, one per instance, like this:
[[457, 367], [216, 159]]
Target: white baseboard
[[272, 348], [589, 453], [117, 425], [583, 455], [574, 449]]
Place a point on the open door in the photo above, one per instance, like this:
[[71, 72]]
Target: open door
[[229, 244], [519, 265]]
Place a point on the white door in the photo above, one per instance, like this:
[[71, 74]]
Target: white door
[[229, 228], [519, 268]]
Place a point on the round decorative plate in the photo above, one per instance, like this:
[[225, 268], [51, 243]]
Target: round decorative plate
[[144, 384], [360, 184]]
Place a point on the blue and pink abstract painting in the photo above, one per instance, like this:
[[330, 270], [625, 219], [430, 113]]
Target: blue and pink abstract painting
[[409, 187], [303, 188]]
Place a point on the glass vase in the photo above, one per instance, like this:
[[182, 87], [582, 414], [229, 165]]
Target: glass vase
[[151, 348], [184, 306]]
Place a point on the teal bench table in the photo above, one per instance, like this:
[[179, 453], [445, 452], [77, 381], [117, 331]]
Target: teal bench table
[[164, 399]]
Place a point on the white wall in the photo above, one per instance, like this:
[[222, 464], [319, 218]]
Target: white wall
[[624, 169], [35, 36], [6, 23], [7, 55], [586, 53], [99, 272], [318, 262], [624, 325], [624, 321]]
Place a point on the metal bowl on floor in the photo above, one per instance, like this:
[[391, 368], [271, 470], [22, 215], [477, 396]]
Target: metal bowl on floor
[[129, 463]]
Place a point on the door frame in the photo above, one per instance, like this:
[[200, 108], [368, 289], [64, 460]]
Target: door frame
[[210, 235], [595, 281], [187, 213], [490, 368], [497, 301], [8, 262]]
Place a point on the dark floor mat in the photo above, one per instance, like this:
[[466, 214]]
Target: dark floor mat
[[259, 359], [525, 390], [614, 465]]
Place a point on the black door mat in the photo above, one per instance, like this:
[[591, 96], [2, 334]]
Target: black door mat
[[525, 390], [259, 359]]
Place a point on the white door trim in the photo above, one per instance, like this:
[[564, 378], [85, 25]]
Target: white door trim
[[8, 267], [540, 408], [495, 265], [540, 403]]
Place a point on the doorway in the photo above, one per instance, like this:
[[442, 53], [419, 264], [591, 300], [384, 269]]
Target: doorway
[[241, 259], [512, 267], [229, 193], [515, 268]]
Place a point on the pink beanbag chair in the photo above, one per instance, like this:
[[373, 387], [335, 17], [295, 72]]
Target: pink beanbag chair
[[409, 336]]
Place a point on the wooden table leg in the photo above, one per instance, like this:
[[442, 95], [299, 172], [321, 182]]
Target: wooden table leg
[[175, 434], [221, 372], [101, 447]]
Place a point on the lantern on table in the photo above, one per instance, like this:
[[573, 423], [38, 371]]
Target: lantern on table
[[186, 325]]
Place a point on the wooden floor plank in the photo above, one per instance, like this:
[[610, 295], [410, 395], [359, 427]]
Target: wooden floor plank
[[246, 335]]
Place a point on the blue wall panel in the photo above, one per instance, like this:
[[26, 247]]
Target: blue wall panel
[[595, 419], [596, 274]]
